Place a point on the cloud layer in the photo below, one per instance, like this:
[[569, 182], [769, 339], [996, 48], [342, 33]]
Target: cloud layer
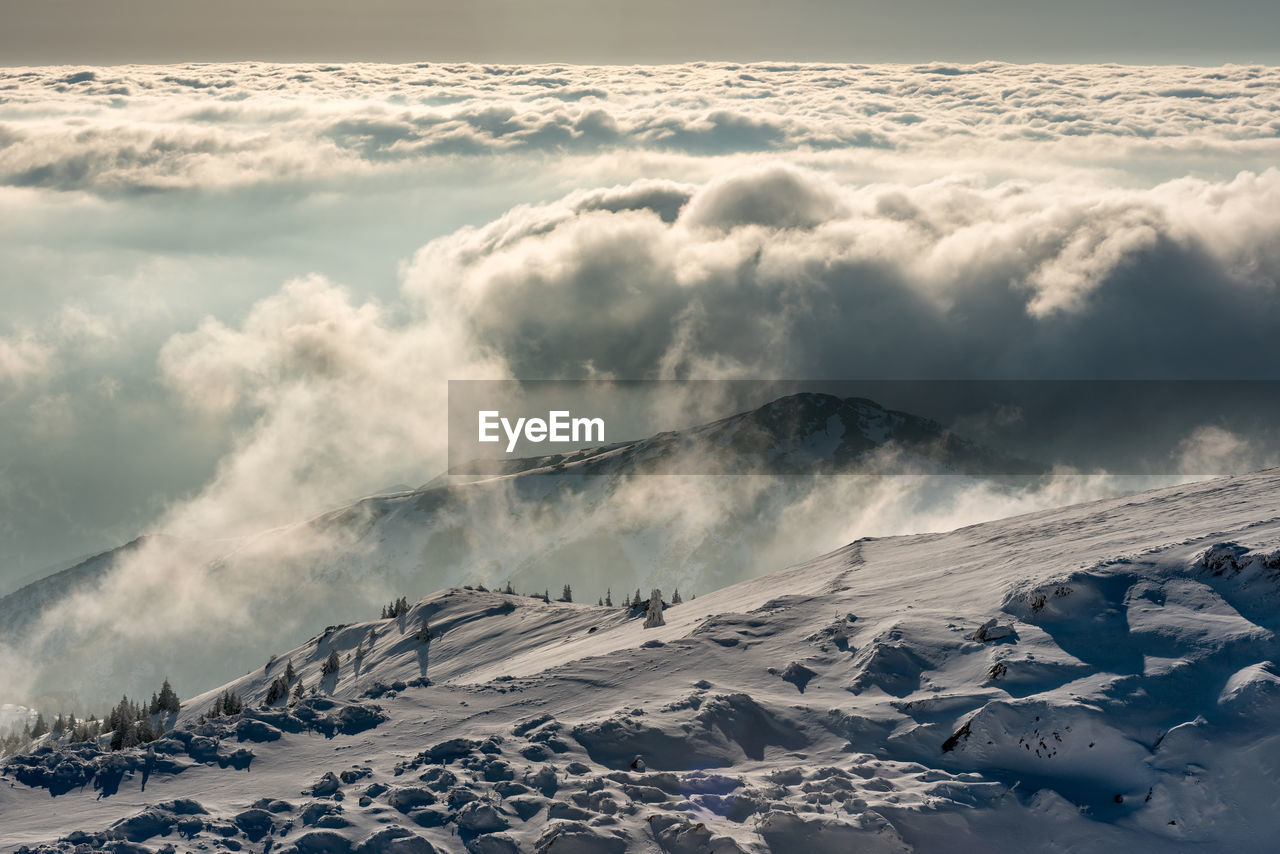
[[144, 128]]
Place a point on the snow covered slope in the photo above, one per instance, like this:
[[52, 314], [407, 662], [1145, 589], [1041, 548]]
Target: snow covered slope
[[589, 519], [1080, 679]]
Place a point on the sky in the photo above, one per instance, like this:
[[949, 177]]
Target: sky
[[658, 31]]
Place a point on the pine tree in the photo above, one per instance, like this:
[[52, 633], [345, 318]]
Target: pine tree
[[278, 690], [424, 632], [299, 691], [599, 601], [153, 708], [675, 597], [608, 597], [40, 728], [637, 601], [653, 615], [509, 590], [289, 673], [120, 724], [546, 595], [231, 704], [566, 595], [59, 726], [169, 701], [332, 663]]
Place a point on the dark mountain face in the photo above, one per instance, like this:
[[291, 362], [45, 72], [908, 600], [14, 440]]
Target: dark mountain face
[[798, 434]]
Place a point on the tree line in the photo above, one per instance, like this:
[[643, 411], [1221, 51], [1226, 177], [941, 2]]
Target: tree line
[[129, 723]]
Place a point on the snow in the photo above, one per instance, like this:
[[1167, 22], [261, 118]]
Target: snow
[[846, 703]]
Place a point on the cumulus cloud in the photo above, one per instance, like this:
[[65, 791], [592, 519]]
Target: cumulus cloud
[[776, 271]]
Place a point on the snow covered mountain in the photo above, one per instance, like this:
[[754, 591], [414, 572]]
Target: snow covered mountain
[[1085, 679], [589, 519]]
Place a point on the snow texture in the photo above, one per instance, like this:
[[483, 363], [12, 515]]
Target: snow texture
[[1079, 679]]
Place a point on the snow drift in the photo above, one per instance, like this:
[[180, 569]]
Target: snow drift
[[1125, 695]]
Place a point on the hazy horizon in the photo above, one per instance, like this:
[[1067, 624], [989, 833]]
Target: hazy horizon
[[660, 31]]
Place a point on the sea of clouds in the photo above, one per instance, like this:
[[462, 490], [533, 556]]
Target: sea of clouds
[[236, 291]]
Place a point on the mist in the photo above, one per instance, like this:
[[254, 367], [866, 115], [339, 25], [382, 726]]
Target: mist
[[238, 293]]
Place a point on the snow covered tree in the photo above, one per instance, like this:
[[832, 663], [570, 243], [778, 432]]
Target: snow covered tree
[[424, 632], [331, 663], [289, 673], [299, 691], [675, 597], [653, 615]]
